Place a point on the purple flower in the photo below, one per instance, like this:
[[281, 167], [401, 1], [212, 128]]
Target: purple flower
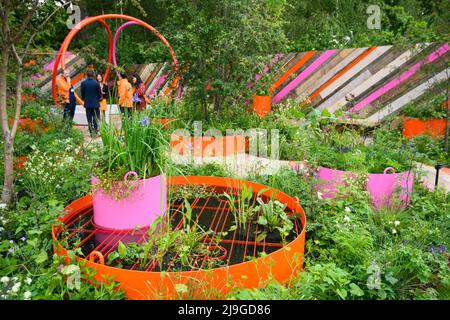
[[23, 239], [11, 241], [189, 146], [11, 250], [145, 121], [405, 241], [60, 267], [442, 248]]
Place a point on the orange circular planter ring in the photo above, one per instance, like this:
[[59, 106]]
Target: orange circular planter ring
[[281, 264], [60, 58], [413, 127], [209, 146], [262, 105]]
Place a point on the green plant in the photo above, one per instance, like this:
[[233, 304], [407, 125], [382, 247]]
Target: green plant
[[162, 108], [242, 205], [141, 149], [57, 173], [274, 217], [430, 109]]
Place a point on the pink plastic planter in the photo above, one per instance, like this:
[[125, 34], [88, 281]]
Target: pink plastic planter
[[140, 208], [329, 179], [382, 187]]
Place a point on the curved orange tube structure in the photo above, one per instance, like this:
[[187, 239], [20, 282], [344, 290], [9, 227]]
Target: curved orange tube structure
[[101, 18]]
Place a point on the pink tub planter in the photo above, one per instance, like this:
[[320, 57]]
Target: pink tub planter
[[146, 201], [329, 179], [384, 186]]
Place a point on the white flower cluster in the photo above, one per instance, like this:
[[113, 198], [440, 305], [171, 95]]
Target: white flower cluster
[[11, 288], [44, 170], [396, 224]]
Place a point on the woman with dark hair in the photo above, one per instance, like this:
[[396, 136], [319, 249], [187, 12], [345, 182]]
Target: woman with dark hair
[[139, 102], [105, 95]]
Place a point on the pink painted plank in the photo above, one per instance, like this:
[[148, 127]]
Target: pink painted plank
[[403, 77], [305, 73], [49, 66]]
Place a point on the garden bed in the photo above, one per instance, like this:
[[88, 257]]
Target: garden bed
[[268, 259]]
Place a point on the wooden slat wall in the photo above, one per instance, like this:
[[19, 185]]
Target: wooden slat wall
[[382, 79]]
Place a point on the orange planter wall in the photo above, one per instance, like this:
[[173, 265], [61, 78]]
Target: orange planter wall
[[433, 127], [261, 105]]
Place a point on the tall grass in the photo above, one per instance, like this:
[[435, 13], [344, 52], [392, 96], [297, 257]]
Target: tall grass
[[139, 146]]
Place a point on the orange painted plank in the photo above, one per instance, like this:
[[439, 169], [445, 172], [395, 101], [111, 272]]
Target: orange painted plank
[[340, 73], [294, 68]]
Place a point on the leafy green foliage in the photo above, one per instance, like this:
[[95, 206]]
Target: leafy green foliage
[[274, 217]]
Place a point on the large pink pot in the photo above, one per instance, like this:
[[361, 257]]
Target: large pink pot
[[141, 207], [329, 179], [383, 186]]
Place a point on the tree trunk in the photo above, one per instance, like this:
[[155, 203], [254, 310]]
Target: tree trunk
[[7, 138], [447, 129], [8, 181], [3, 85], [204, 107], [9, 169]]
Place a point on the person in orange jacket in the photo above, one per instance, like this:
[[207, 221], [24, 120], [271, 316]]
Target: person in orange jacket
[[65, 87], [125, 95]]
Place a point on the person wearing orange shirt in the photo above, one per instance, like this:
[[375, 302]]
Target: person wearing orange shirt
[[125, 95], [65, 88]]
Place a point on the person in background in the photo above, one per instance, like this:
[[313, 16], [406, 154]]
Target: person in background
[[139, 101], [105, 96], [91, 94], [65, 87], [125, 95]]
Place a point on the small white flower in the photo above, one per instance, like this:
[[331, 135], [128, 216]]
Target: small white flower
[[394, 231], [319, 195], [2, 206], [346, 219], [27, 295], [396, 222], [16, 287], [28, 280], [4, 279], [347, 209]]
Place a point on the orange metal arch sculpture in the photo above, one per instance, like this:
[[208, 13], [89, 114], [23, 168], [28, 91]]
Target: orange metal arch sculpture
[[101, 18]]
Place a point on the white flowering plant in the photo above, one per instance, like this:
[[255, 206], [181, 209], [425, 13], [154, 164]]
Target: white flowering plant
[[56, 174]]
